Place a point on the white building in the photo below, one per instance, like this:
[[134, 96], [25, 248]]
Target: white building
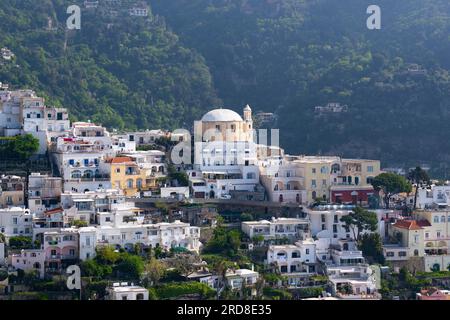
[[44, 192], [237, 279], [125, 291], [294, 261], [15, 221], [326, 221], [23, 112], [434, 196], [127, 234], [141, 138], [350, 277], [2, 253], [169, 192], [277, 228], [225, 155]]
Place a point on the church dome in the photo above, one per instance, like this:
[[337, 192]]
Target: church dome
[[217, 115]]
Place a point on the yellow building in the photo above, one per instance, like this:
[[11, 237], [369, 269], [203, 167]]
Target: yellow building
[[359, 172], [318, 175], [127, 176], [11, 191], [225, 125]]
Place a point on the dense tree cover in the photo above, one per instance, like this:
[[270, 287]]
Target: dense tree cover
[[391, 184], [111, 264], [224, 241], [360, 220], [403, 284], [419, 177], [20, 242], [285, 56], [20, 147], [176, 290], [120, 71], [291, 55], [371, 246]]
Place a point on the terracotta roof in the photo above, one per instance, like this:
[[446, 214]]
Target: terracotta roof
[[121, 160], [52, 211], [424, 223], [408, 224]]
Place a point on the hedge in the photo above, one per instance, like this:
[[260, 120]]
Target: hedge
[[177, 289]]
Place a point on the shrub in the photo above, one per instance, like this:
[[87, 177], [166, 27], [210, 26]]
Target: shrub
[[175, 290], [277, 294], [20, 242]]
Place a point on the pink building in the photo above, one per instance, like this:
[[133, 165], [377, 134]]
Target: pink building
[[433, 294], [60, 248]]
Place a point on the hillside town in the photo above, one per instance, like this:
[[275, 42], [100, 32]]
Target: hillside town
[[245, 220]]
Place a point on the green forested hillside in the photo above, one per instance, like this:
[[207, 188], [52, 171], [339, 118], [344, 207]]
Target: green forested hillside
[[283, 56], [291, 55], [121, 71]]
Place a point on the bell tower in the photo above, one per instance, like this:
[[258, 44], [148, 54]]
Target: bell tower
[[248, 114]]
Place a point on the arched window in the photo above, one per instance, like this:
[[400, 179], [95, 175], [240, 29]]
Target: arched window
[[129, 183], [76, 174], [314, 195], [140, 296], [275, 188], [416, 252], [335, 168], [139, 183], [369, 180], [356, 180], [436, 219], [442, 218], [88, 174]]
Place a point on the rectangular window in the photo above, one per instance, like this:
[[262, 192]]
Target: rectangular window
[[369, 168], [313, 183], [313, 170], [334, 228]]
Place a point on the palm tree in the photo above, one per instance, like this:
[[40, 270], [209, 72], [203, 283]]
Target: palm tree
[[419, 177]]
